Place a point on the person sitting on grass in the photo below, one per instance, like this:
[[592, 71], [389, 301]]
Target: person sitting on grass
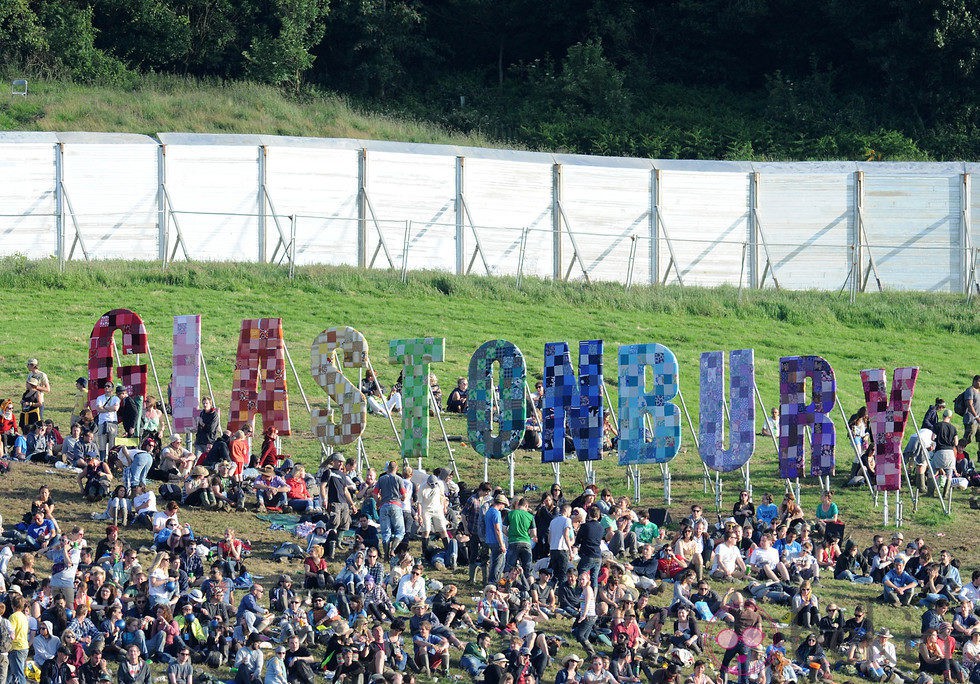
[[899, 586]]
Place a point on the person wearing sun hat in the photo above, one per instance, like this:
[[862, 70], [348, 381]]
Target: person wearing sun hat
[[270, 489], [569, 672], [495, 671], [43, 385]]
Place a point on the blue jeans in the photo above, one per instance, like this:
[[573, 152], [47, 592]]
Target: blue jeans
[[392, 523], [591, 566], [136, 472], [582, 630], [497, 557], [473, 666], [277, 500], [300, 505], [16, 661], [519, 552]]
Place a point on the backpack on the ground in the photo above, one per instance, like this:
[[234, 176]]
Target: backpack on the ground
[[170, 492], [959, 404]]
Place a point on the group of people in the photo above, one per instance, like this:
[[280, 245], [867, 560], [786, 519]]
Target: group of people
[[366, 607]]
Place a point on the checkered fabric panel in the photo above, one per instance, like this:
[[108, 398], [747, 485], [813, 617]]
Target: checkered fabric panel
[[576, 407], [559, 390], [259, 386], [353, 351], [100, 360], [742, 410], [415, 355], [510, 399], [186, 387], [795, 415], [636, 443], [887, 416]]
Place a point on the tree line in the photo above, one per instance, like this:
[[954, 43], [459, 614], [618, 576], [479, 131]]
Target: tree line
[[745, 79]]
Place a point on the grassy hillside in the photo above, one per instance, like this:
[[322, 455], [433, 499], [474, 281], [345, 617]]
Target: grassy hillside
[[50, 315], [886, 330], [170, 103]]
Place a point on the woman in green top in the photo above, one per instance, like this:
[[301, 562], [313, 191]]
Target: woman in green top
[[520, 531], [826, 511]]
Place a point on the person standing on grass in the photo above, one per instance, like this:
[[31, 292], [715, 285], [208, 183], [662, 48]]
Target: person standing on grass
[[520, 532], [43, 385], [971, 417], [944, 457], [589, 542], [17, 658], [494, 536]]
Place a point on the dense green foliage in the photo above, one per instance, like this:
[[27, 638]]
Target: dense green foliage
[[864, 79]]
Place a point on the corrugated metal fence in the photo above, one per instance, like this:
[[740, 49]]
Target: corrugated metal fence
[[466, 210]]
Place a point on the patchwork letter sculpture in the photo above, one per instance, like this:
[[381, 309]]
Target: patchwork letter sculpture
[[575, 405], [260, 376], [636, 443], [353, 351], [887, 415], [416, 355], [795, 414], [509, 400], [100, 356], [185, 395], [741, 431]]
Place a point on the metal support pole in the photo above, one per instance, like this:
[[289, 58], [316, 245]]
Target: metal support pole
[[207, 377], [445, 435], [324, 449], [510, 460], [59, 203], [965, 225], [262, 204], [408, 237], [632, 263], [556, 221], [166, 415], [293, 220], [460, 216], [520, 257], [857, 455], [653, 228], [856, 218], [694, 434], [932, 474], [755, 282], [162, 237], [362, 208], [391, 420]]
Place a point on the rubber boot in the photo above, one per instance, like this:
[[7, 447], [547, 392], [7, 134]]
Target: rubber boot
[[331, 550]]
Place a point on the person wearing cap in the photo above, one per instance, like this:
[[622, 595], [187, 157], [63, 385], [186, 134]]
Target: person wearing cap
[[275, 668], [106, 408], [337, 501], [270, 489], [494, 537], [56, 670], [43, 385], [944, 457], [175, 458]]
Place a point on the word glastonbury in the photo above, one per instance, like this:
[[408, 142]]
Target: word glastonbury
[[571, 401]]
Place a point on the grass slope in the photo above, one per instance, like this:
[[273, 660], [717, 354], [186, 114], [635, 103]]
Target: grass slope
[[50, 315], [169, 103]]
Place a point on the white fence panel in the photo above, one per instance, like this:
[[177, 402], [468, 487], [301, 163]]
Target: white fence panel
[[420, 188], [113, 192], [807, 221], [27, 199], [510, 196], [215, 195], [319, 186], [706, 216], [912, 225], [605, 208]]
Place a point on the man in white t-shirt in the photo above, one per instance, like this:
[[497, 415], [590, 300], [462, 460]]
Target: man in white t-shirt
[[765, 561], [106, 407], [561, 538], [727, 560]]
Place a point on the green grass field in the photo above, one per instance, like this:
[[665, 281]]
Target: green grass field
[[161, 103], [50, 315]]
